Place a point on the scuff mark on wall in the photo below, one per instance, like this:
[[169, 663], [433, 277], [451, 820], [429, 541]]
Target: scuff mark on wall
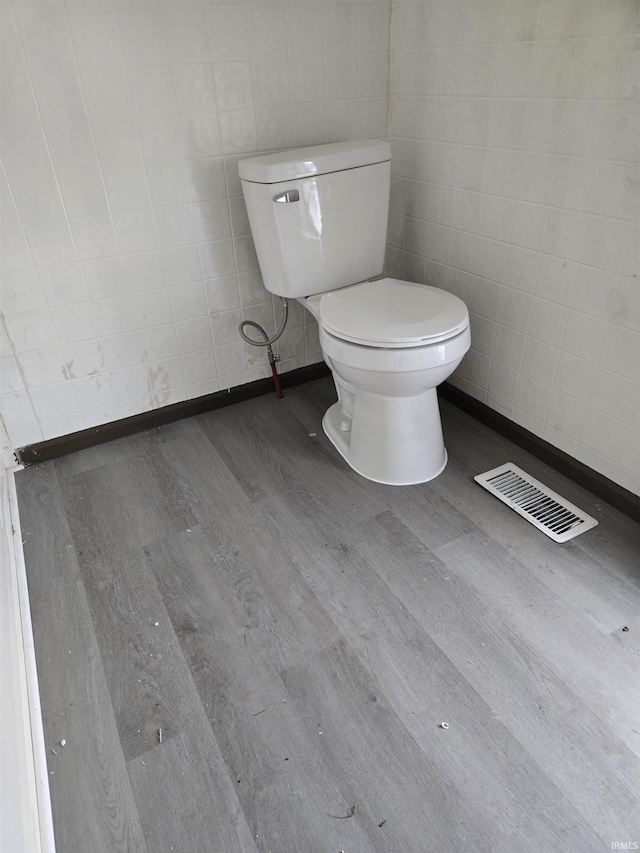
[[159, 385]]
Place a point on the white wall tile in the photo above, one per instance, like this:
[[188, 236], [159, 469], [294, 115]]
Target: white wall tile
[[132, 349], [83, 358], [584, 336], [228, 34], [194, 87], [94, 237], [618, 191], [201, 135], [270, 81], [43, 366], [143, 36], [621, 351], [117, 142], [136, 230], [605, 243], [574, 377], [224, 327], [194, 335], [199, 366], [58, 94], [37, 197], [340, 28], [181, 264], [187, 36], [238, 131], [126, 188], [217, 258], [106, 92], [594, 291], [63, 284], [546, 73], [96, 39], [547, 322], [188, 301], [565, 233], [71, 145], [233, 85], [626, 305], [54, 401], [51, 243], [24, 150], [75, 322], [46, 39], [83, 193], [132, 312], [21, 291]]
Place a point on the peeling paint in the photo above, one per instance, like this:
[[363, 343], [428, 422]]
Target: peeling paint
[[158, 379]]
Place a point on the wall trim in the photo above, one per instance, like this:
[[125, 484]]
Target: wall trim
[[614, 494], [54, 447], [601, 486]]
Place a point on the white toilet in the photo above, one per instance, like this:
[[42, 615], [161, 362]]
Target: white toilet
[[319, 221]]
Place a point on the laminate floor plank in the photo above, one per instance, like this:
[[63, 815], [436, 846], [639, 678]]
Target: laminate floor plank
[[92, 801], [286, 788], [360, 733], [567, 739], [123, 506], [293, 597], [604, 594], [153, 694], [478, 755], [270, 451], [615, 544], [487, 764], [277, 604], [585, 660]]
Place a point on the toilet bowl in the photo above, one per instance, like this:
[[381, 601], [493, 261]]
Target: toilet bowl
[[389, 343], [318, 217]]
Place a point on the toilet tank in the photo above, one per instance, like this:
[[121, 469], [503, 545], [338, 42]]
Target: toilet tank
[[318, 215]]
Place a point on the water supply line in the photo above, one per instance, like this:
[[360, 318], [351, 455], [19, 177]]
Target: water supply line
[[267, 342]]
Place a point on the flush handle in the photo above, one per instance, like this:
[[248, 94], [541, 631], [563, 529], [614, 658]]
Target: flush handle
[[286, 196]]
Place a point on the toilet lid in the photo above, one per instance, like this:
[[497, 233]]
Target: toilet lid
[[392, 313]]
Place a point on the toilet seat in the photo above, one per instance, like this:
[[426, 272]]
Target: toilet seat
[[389, 313]]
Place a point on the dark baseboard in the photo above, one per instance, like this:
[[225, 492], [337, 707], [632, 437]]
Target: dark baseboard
[[606, 489], [598, 484], [54, 447]]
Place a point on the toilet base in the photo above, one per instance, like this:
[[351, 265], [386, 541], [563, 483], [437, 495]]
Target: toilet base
[[393, 440]]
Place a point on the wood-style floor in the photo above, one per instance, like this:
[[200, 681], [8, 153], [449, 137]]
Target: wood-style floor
[[248, 647]]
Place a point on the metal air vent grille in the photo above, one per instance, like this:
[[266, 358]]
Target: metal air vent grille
[[544, 508]]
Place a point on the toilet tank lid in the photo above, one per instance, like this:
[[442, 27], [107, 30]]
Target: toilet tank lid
[[313, 160]]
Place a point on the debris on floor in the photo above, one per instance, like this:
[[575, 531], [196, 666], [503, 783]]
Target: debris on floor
[[63, 742], [626, 628], [350, 813], [159, 735], [382, 823], [444, 725]]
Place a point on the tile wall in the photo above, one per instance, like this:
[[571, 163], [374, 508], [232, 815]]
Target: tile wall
[[127, 262], [516, 186], [126, 257]]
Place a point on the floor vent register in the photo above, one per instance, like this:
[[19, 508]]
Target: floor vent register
[[544, 508]]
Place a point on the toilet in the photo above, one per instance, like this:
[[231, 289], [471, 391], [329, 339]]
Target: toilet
[[318, 216]]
